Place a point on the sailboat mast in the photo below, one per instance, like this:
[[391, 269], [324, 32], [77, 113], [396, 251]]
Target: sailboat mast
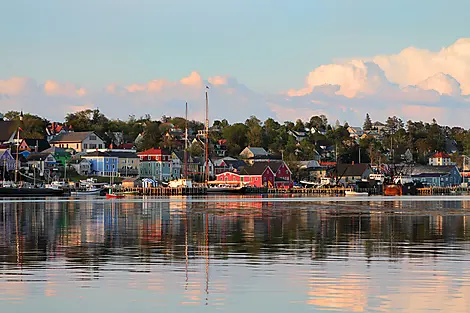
[[17, 153], [207, 136], [185, 157]]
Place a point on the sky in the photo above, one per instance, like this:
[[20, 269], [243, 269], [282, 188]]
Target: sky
[[58, 56]]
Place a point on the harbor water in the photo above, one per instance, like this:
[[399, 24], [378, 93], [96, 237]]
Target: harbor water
[[235, 254]]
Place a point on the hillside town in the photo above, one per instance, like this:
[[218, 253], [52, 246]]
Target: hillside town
[[257, 154]]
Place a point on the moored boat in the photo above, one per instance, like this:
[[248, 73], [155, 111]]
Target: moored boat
[[225, 187], [30, 192], [352, 193]]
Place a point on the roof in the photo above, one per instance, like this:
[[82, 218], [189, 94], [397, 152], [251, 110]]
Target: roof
[[71, 137], [431, 171], [154, 151], [352, 169], [37, 156], [123, 154], [255, 169], [441, 155], [42, 144], [57, 151], [257, 151], [96, 154], [7, 128], [274, 165]]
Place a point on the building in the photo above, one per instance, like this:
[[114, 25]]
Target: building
[[7, 161], [253, 152], [34, 145], [155, 163], [440, 159], [41, 160], [128, 161], [355, 132], [220, 148], [257, 175], [81, 166], [437, 175], [177, 165], [79, 141], [102, 163], [282, 173], [350, 173], [61, 155], [227, 164], [8, 131], [298, 135]]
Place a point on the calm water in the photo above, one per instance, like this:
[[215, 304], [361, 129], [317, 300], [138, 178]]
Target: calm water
[[235, 255]]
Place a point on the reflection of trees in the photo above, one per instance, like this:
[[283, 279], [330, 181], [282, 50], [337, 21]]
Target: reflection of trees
[[94, 234]]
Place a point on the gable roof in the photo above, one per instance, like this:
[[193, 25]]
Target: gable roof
[[37, 156], [257, 151], [429, 170], [441, 155], [123, 154], [57, 151], [42, 144], [7, 128], [154, 151], [255, 169], [96, 154], [352, 169], [72, 137], [274, 165]]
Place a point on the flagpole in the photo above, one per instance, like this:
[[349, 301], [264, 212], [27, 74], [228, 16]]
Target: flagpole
[[17, 153]]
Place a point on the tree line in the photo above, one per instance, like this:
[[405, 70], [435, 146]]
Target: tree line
[[380, 144]]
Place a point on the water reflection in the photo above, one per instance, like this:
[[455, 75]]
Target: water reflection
[[233, 255]]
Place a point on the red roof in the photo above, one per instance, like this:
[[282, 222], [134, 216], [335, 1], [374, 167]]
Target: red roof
[[328, 163], [154, 151], [441, 155]]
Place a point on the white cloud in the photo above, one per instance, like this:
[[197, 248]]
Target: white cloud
[[414, 84]]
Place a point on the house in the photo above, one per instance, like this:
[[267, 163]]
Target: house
[[227, 164], [355, 132], [298, 135], [437, 175], [440, 159], [257, 175], [81, 166], [79, 141], [131, 182], [253, 152], [128, 161], [220, 148], [177, 165], [34, 145], [61, 155], [379, 127], [155, 163], [350, 173], [102, 163], [54, 129], [282, 173], [41, 160], [8, 131], [7, 161]]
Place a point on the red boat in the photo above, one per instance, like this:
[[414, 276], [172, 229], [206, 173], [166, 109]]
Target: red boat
[[113, 196]]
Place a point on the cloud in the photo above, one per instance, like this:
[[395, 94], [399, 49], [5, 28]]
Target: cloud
[[413, 84]]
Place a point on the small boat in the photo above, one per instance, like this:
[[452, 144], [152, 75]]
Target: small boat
[[351, 193], [86, 191], [181, 183], [114, 196], [29, 192], [225, 187]]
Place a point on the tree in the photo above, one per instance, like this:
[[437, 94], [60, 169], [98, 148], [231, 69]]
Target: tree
[[319, 123], [367, 123], [33, 126], [236, 136], [254, 134], [152, 136]]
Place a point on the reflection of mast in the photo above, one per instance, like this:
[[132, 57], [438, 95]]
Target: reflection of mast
[[207, 259], [185, 171], [186, 250]]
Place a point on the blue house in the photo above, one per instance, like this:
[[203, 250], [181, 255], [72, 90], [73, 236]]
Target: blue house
[[440, 176], [102, 163]]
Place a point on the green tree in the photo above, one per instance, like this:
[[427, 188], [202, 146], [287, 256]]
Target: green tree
[[254, 133], [34, 127], [367, 123], [236, 136], [152, 136]]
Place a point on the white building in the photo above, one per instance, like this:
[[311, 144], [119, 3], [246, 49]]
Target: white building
[[440, 159]]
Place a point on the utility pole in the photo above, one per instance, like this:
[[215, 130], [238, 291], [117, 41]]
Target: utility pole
[[207, 135]]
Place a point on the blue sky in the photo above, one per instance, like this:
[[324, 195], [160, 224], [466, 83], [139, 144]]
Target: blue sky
[[269, 45]]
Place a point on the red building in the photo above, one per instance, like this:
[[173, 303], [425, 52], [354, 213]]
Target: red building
[[282, 173], [253, 176]]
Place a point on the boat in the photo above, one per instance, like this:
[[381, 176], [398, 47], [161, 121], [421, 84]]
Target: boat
[[352, 193], [29, 192], [178, 183], [225, 187], [114, 196], [87, 191]]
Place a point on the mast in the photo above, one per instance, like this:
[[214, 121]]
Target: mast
[[185, 157], [17, 153], [207, 136]]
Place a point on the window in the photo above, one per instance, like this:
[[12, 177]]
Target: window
[[149, 157], [85, 146], [92, 137]]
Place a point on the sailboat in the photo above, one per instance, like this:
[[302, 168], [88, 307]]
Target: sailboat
[[111, 194]]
